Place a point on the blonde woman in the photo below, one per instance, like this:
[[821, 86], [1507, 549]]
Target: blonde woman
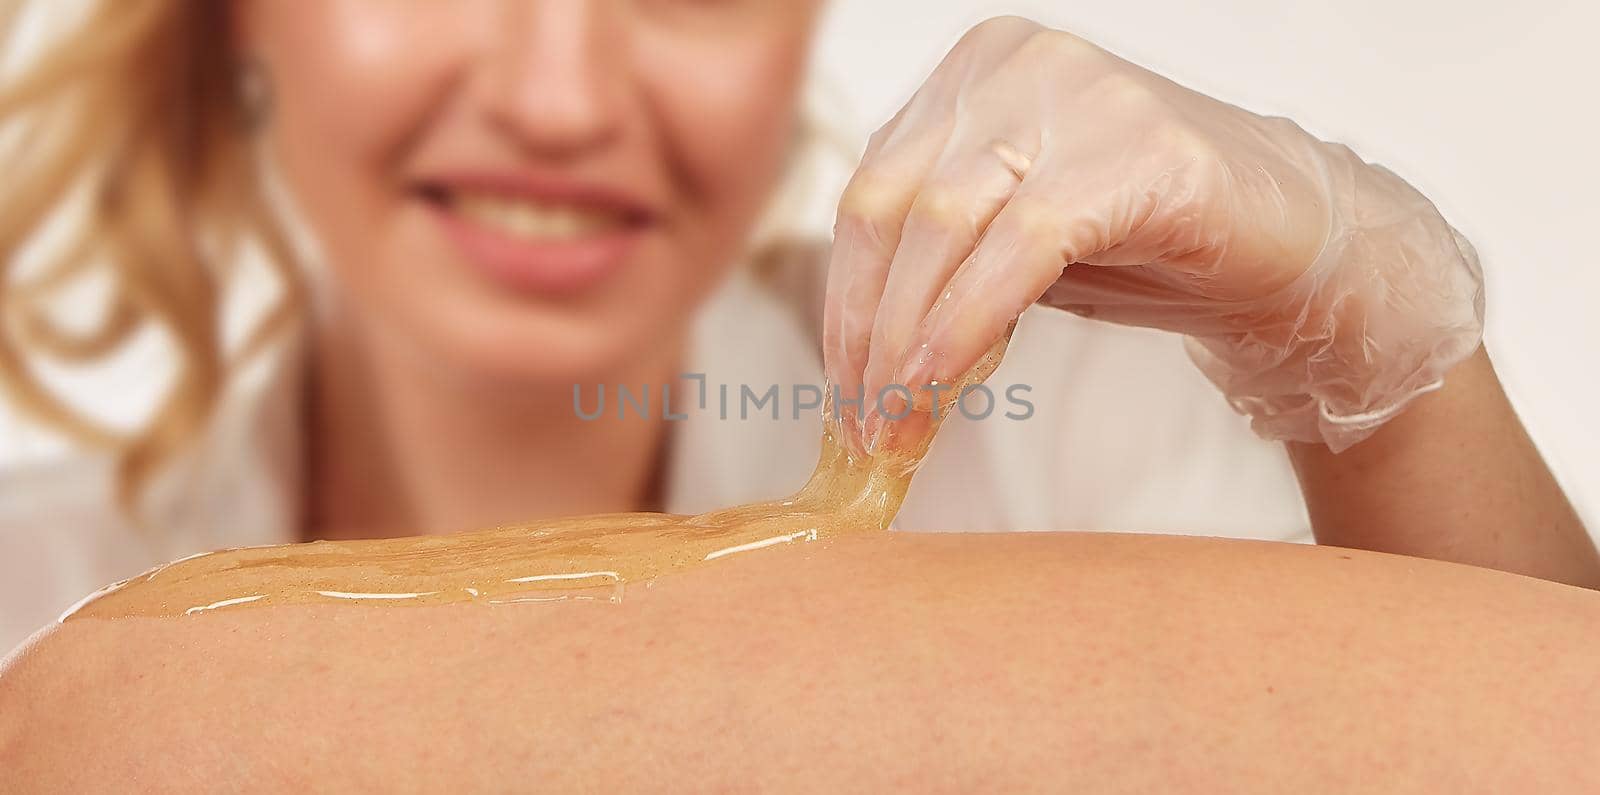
[[469, 207]]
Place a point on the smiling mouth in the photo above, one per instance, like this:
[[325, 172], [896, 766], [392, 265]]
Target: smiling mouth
[[548, 239], [535, 220]]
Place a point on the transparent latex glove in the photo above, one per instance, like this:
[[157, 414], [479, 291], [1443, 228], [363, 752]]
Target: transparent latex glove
[[1319, 292]]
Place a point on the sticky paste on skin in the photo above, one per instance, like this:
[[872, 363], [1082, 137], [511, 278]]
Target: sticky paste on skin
[[585, 557]]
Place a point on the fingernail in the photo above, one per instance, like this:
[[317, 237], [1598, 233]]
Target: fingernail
[[917, 369], [894, 404]]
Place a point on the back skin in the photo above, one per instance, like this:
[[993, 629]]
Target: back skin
[[928, 662]]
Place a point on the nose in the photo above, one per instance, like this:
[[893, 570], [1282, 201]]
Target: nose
[[557, 74]]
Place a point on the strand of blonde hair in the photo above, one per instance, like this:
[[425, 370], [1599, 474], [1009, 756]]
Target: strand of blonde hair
[[133, 113]]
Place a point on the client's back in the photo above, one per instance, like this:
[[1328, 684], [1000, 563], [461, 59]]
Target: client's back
[[1046, 661]]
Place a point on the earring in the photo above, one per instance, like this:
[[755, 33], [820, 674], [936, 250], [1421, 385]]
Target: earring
[[254, 92]]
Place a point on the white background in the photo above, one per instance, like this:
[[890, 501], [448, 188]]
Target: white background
[[1491, 109]]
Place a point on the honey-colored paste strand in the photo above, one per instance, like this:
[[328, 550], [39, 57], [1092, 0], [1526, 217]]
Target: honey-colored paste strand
[[585, 557]]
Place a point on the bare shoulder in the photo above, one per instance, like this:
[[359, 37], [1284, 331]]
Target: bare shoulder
[[904, 660]]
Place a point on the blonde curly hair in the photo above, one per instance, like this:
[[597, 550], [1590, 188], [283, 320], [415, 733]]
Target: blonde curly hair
[[130, 123]]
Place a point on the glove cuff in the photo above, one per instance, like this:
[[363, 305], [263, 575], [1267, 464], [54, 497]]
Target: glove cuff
[[1393, 301]]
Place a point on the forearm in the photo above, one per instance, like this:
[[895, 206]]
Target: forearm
[[1454, 477]]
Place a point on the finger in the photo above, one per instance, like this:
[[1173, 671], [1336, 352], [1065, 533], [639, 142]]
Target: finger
[[865, 236], [942, 227], [1023, 252], [871, 215], [1149, 295]]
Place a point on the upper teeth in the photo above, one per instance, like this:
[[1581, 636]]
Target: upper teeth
[[528, 219]]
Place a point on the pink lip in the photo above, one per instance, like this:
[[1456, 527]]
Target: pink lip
[[549, 267]]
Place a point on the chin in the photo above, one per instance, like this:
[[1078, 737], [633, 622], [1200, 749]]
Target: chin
[[545, 348], [484, 333]]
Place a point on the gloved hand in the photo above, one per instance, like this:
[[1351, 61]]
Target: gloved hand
[[1319, 292]]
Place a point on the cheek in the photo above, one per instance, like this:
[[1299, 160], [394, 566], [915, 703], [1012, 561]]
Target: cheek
[[351, 82], [729, 116], [353, 75]]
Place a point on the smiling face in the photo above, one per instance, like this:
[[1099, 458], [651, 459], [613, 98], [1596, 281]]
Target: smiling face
[[529, 190]]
